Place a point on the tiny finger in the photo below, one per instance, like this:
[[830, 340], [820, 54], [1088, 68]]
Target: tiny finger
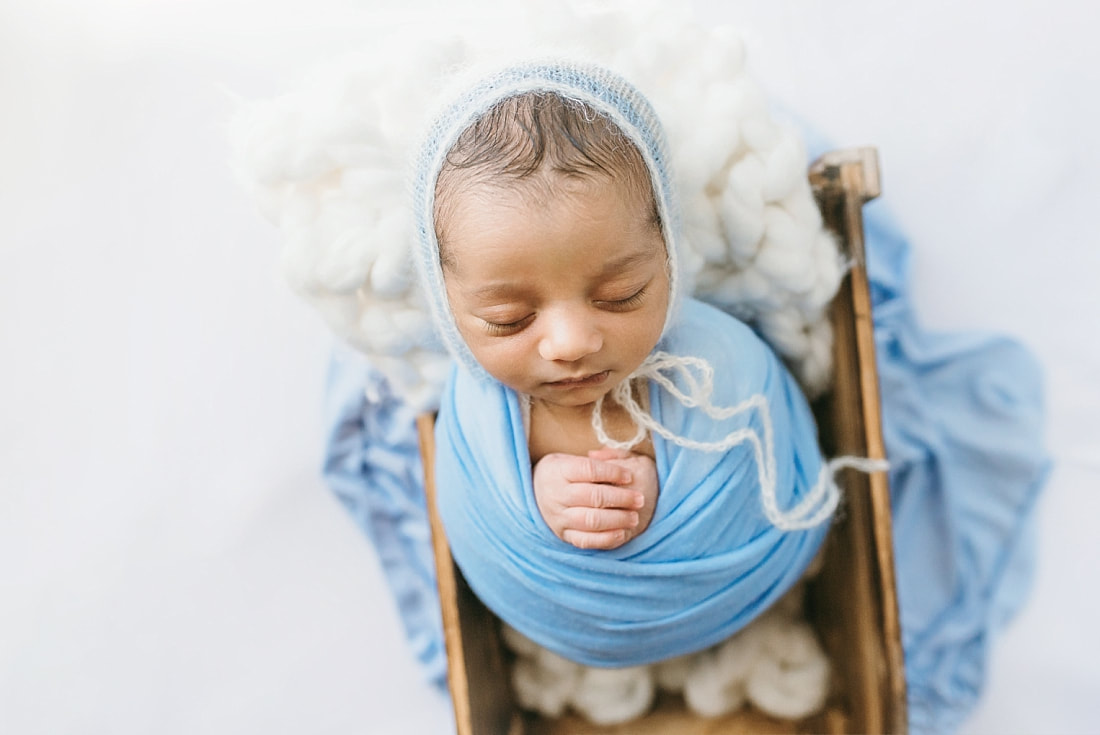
[[600, 519], [596, 540], [595, 470], [606, 496]]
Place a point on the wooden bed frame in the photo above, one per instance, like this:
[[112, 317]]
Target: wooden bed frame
[[852, 603]]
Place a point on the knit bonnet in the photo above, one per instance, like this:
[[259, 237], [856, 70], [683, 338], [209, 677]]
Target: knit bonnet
[[605, 92]]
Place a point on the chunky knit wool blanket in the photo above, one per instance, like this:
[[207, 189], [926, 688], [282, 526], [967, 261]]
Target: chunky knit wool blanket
[[330, 161]]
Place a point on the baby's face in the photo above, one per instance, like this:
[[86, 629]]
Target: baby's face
[[563, 300]]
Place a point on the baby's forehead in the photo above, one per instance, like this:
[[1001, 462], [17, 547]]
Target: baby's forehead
[[478, 206], [550, 187]]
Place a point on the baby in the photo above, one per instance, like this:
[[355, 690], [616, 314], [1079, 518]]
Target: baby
[[604, 491], [557, 274]]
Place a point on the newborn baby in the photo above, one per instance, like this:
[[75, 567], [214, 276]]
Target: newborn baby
[[625, 476]]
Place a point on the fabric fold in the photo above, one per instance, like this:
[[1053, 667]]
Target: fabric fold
[[709, 562]]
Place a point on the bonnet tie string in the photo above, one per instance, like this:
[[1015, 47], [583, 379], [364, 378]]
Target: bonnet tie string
[[813, 509]]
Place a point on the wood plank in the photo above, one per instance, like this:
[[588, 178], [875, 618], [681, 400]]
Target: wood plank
[[445, 582], [477, 672], [843, 181]]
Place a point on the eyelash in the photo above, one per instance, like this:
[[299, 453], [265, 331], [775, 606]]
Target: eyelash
[[628, 303], [503, 330]]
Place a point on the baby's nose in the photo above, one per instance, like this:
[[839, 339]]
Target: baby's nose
[[569, 336]]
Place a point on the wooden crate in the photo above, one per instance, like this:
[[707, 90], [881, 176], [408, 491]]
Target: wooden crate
[[852, 603]]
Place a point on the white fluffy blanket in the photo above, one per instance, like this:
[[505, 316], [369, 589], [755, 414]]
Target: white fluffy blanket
[[328, 164]]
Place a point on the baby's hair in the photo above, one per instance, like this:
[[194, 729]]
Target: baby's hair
[[529, 143]]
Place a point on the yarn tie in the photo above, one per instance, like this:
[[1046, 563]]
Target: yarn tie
[[818, 504]]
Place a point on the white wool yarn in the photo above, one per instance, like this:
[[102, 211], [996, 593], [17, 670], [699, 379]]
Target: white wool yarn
[[614, 696], [546, 683], [328, 163], [715, 686], [791, 675], [542, 681], [671, 675], [814, 508], [775, 664]]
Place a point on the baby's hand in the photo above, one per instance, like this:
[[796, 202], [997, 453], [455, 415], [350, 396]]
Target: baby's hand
[[596, 502], [644, 470]]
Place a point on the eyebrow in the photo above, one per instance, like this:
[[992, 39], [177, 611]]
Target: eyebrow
[[612, 267], [503, 291], [496, 291]]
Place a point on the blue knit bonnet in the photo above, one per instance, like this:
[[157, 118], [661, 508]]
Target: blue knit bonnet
[[601, 89]]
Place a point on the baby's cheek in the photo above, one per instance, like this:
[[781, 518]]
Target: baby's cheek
[[503, 359]]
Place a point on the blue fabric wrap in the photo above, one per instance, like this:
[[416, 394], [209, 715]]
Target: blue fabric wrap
[[963, 426], [962, 419], [373, 465], [709, 562]]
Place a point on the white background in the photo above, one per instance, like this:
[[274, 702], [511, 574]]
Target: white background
[[170, 561]]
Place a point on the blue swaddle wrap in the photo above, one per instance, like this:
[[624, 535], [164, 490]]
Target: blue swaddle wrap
[[709, 562], [967, 464]]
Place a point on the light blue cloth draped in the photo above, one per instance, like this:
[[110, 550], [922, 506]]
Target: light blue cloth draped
[[709, 562], [373, 465], [963, 429], [963, 422]]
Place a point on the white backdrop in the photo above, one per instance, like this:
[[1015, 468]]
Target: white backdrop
[[170, 561]]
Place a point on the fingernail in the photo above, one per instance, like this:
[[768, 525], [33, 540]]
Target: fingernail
[[633, 520], [639, 500]]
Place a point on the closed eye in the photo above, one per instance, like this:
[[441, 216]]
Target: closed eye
[[499, 329], [630, 302]]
